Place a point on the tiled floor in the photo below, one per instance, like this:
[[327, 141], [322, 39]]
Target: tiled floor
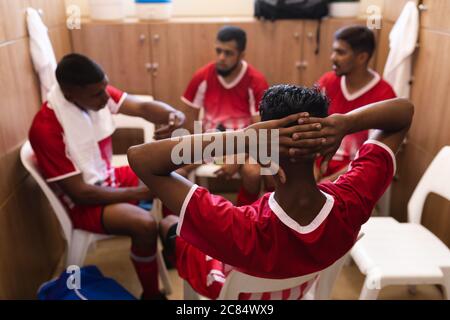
[[112, 257]]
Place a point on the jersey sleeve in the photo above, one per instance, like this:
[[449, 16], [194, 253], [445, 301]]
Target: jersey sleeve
[[218, 228], [258, 87], [117, 98], [52, 156], [369, 176], [389, 93], [194, 95]]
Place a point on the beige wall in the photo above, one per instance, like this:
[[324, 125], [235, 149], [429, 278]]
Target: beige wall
[[184, 8], [193, 8]]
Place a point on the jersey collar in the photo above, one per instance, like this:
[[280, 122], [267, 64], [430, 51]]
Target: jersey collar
[[235, 82], [363, 90], [292, 224]]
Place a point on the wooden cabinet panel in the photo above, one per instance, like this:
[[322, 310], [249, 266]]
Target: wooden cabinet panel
[[437, 15], [12, 175], [275, 49], [12, 13], [2, 30], [121, 49], [315, 56], [30, 242], [412, 162], [383, 46], [19, 94], [13, 16], [430, 92], [436, 217], [393, 9], [317, 64], [284, 51], [178, 50], [53, 12], [60, 38]]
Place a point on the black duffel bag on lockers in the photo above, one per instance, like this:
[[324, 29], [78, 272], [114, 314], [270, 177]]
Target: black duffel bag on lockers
[[293, 9]]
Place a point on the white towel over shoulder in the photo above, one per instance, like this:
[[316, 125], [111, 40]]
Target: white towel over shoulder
[[82, 132]]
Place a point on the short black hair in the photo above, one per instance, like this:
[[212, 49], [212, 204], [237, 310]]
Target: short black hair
[[78, 70], [230, 33], [360, 38], [284, 100]]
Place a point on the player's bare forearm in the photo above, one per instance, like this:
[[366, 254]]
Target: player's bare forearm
[[154, 111], [388, 116], [161, 158], [85, 194]]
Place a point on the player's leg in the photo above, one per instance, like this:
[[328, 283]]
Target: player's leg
[[130, 220], [204, 274]]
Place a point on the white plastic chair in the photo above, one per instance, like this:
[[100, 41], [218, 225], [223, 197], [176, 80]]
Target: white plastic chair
[[237, 282], [394, 253], [128, 122], [77, 241]]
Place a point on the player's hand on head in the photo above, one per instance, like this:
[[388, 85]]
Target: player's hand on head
[[333, 129], [286, 127]]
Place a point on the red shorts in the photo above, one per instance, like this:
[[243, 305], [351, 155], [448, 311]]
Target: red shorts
[[90, 218], [200, 271]]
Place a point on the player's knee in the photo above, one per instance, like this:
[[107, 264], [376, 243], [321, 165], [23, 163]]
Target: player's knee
[[147, 229], [165, 225]]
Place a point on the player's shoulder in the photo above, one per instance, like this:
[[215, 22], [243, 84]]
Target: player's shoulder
[[45, 121]]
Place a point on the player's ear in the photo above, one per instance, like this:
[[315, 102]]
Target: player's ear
[[363, 57]]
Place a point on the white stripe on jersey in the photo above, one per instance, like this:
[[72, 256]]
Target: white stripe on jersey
[[199, 98]]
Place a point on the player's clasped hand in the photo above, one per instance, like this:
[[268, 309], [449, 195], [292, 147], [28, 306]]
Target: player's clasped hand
[[332, 131]]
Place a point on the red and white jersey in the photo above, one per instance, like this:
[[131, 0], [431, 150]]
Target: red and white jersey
[[264, 241], [230, 104], [47, 139], [343, 102]]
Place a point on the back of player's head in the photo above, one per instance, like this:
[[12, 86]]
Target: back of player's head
[[230, 33], [284, 100], [359, 38], [78, 70]]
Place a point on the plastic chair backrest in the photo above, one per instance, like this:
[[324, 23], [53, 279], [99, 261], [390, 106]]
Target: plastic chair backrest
[[435, 179], [30, 163], [237, 282], [129, 122]]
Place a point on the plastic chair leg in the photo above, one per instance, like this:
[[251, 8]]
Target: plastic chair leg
[[163, 274], [369, 291], [189, 293], [446, 283], [76, 252]]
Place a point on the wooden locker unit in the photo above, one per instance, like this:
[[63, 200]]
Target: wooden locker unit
[[122, 49]]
